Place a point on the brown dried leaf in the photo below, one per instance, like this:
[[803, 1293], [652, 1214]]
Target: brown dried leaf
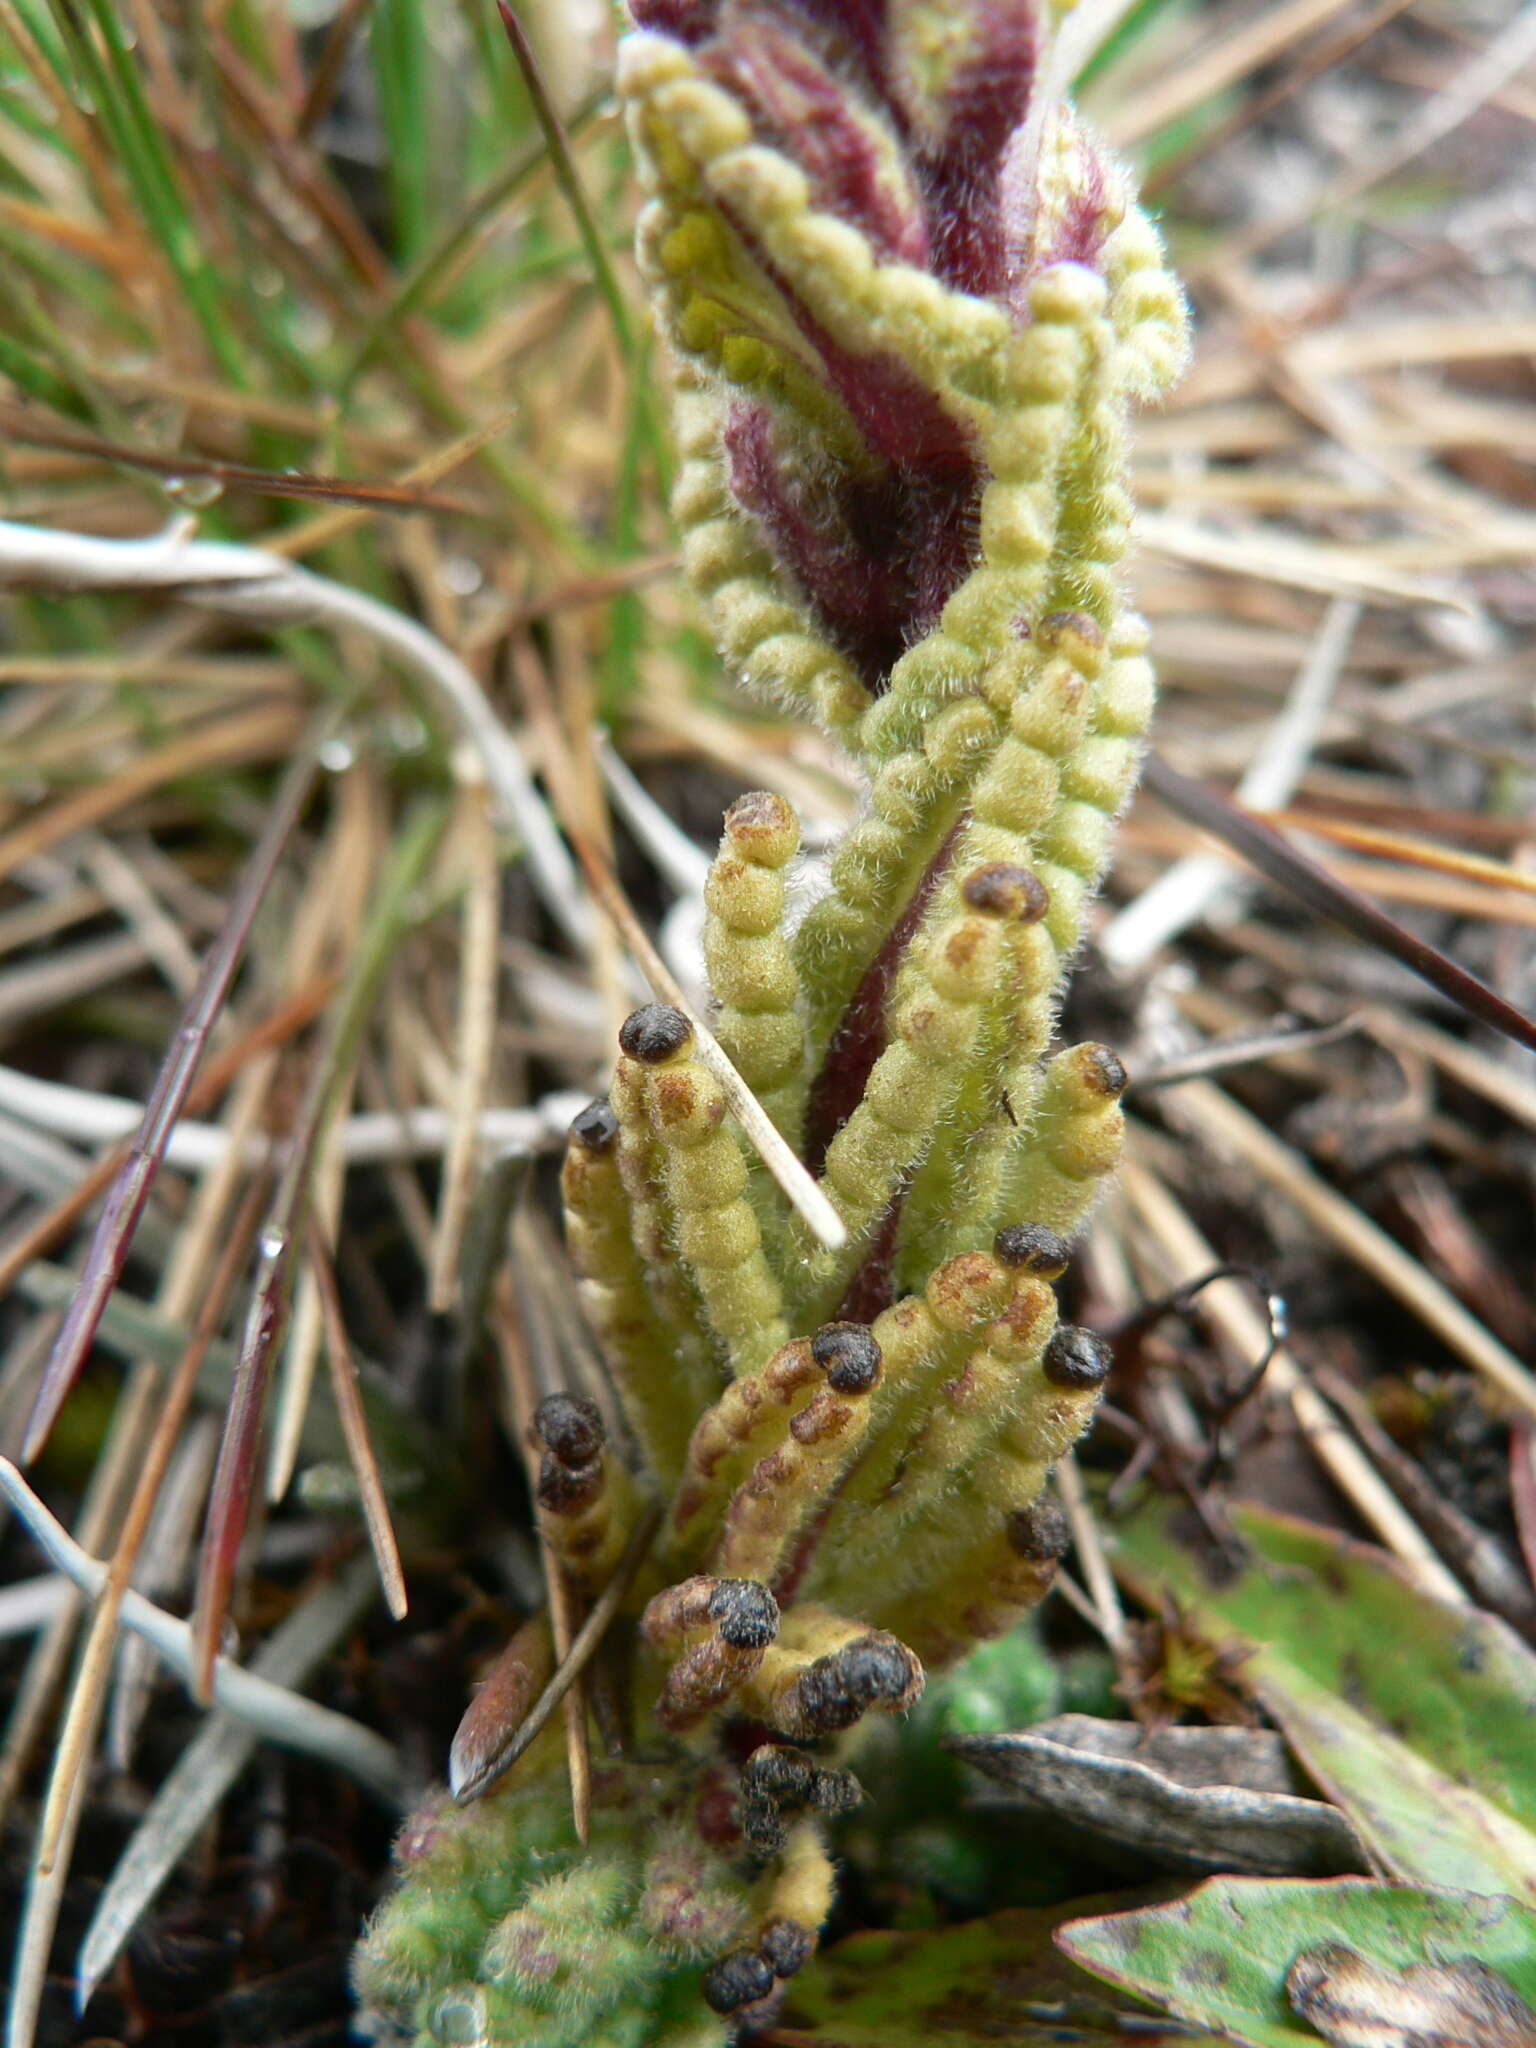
[[1355, 2003]]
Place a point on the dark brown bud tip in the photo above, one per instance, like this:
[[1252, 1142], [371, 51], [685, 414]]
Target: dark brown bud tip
[[1031, 1248], [876, 1670], [785, 1946], [570, 1427], [774, 1771], [596, 1127], [746, 1614], [763, 1827], [833, 1791], [1076, 1358], [654, 1033], [1105, 1070], [1002, 890], [738, 1979], [1039, 1533], [562, 1489], [849, 1356]]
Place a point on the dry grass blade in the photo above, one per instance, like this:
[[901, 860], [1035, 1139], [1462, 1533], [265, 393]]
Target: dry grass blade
[[23, 426], [529, 1364], [204, 1773], [1232, 55], [354, 1423], [797, 1186], [1486, 71], [71, 1756], [1481, 1560], [1108, 1615], [1402, 846], [583, 1647], [284, 1024], [234, 1479], [1302, 878], [263, 733], [275, 1713], [1228, 1128], [475, 1051], [1185, 1255], [97, 1523], [1182, 895], [1253, 1050], [168, 1548], [499, 1707], [125, 1204], [256, 585], [1508, 1091]]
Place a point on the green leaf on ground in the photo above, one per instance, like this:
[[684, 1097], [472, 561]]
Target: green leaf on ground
[[1221, 1957], [997, 1979], [1415, 1716]]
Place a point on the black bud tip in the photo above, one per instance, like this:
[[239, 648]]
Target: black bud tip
[[654, 1033], [1031, 1248], [1003, 890], [746, 1614], [763, 1827], [833, 1791], [775, 1772], [596, 1127], [1105, 1070], [875, 1670], [570, 1427], [849, 1356], [1076, 1358], [785, 1946], [738, 1979], [1039, 1533], [565, 1488]]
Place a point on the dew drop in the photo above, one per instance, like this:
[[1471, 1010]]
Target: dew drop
[[460, 2020], [462, 576], [196, 492]]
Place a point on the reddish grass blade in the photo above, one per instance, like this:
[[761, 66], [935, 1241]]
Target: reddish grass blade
[[1290, 869], [285, 1022], [20, 423], [125, 1203], [234, 1476], [82, 1718]]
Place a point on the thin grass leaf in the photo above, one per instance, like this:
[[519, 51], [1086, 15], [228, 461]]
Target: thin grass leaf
[[569, 178]]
